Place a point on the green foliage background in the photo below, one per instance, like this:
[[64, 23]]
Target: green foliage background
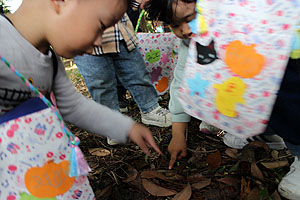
[[3, 7]]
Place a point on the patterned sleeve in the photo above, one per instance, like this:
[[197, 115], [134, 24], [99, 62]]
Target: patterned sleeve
[[135, 4]]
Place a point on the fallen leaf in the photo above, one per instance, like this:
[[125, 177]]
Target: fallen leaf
[[153, 174], [99, 152], [274, 154], [245, 188], [185, 194], [103, 194], [132, 175], [254, 194], [229, 181], [258, 144], [156, 190], [195, 178], [275, 164], [255, 171], [275, 196], [232, 153], [214, 160], [201, 184]]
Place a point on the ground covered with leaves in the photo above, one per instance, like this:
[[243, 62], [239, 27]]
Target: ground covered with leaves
[[211, 171]]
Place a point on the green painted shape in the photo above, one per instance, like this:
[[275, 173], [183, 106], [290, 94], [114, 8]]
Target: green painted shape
[[25, 196], [153, 56]]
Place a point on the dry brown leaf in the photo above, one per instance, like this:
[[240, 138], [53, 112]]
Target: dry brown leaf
[[230, 181], [275, 154], [214, 160], [185, 194], [255, 171], [245, 188], [105, 193], [153, 174], [201, 184], [275, 196], [195, 178], [132, 175], [232, 153], [254, 194], [156, 190], [99, 152], [275, 164]]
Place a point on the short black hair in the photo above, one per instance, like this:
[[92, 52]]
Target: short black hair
[[162, 9]]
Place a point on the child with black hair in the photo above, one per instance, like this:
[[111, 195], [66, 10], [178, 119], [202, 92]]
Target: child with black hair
[[285, 118], [185, 12], [71, 27]]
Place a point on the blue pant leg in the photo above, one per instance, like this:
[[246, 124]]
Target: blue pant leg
[[100, 77], [132, 73], [285, 117]]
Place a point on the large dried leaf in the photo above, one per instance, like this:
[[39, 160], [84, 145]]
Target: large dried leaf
[[232, 153], [153, 174], [275, 196], [201, 184], [214, 160], [275, 154], [156, 190], [230, 181], [185, 194], [255, 171], [195, 178], [132, 175], [275, 164], [245, 188], [254, 194], [99, 152]]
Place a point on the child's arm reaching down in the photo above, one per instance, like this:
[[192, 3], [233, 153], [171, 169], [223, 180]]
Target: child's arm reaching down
[[96, 118]]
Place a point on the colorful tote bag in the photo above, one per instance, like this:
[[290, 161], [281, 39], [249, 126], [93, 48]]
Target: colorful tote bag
[[159, 51], [39, 158], [237, 61]]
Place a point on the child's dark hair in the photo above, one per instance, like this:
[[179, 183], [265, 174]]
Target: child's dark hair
[[162, 9]]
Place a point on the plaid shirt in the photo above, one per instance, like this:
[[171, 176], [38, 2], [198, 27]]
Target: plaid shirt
[[123, 30]]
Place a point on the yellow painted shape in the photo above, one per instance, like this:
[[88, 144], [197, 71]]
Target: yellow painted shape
[[228, 94]]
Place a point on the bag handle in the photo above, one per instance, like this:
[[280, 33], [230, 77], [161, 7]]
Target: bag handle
[[76, 157]]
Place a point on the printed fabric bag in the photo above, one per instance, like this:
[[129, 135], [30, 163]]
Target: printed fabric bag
[[159, 51], [236, 62], [39, 156]]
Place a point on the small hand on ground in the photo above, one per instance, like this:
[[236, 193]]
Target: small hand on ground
[[142, 136], [177, 148]]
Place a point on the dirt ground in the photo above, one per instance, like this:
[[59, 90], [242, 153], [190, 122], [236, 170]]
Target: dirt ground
[[211, 171]]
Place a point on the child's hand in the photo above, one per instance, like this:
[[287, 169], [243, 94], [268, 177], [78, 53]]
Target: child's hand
[[142, 136], [177, 148]]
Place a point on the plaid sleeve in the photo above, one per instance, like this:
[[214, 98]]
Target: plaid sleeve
[[135, 4]]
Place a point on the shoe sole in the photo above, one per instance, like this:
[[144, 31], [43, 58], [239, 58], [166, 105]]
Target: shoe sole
[[154, 123], [273, 145]]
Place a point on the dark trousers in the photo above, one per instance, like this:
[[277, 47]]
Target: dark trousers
[[285, 117]]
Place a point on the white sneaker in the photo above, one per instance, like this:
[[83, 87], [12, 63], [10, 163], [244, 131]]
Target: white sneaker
[[207, 128], [273, 141], [289, 186], [158, 117], [112, 141]]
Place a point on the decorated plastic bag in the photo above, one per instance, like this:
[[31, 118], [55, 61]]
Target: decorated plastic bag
[[159, 51], [39, 157], [237, 61]]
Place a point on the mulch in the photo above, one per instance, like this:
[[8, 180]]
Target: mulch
[[211, 171]]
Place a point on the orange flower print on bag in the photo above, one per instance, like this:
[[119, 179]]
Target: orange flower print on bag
[[50, 180], [243, 60]]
